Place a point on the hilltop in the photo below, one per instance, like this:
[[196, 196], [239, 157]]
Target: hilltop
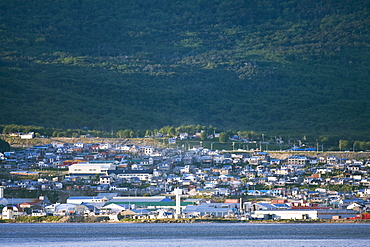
[[278, 66]]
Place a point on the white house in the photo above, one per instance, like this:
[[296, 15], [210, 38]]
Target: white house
[[79, 145], [218, 159], [254, 160], [91, 168], [298, 160], [106, 179], [38, 212], [333, 160], [143, 175], [11, 212], [105, 146], [30, 135], [87, 199], [146, 150], [184, 136]]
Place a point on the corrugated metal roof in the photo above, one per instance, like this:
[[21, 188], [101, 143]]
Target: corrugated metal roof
[[151, 204], [143, 199]]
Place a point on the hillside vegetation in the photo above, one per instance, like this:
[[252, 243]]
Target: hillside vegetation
[[280, 66]]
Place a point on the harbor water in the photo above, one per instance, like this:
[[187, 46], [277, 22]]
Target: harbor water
[[185, 234]]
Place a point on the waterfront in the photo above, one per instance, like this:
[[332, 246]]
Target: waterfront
[[210, 234]]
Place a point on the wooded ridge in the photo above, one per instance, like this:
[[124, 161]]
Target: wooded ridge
[[279, 66]]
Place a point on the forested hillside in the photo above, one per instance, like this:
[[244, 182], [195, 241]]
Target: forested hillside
[[278, 66]]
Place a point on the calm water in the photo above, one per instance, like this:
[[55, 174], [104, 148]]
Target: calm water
[[212, 234]]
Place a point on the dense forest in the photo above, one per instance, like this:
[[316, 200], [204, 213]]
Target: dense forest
[[289, 66]]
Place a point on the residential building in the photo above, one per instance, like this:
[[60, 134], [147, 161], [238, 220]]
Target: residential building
[[86, 169]]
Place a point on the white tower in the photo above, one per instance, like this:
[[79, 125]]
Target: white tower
[[178, 193], [1, 192]]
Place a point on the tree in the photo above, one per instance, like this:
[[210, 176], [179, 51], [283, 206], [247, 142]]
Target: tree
[[140, 133], [148, 133], [343, 144], [11, 128], [164, 130], [223, 137], [172, 131], [62, 134], [4, 146], [120, 133], [126, 133], [203, 135], [132, 134], [362, 145]]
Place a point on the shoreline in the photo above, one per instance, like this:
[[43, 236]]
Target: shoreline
[[104, 219]]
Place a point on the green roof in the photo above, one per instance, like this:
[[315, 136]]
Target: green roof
[[152, 204]]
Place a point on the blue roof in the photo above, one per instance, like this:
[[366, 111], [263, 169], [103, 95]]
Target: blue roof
[[266, 205], [280, 205], [141, 199], [353, 200], [167, 199], [303, 149], [140, 211], [85, 197]]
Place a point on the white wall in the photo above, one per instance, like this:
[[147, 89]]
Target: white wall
[[89, 168]]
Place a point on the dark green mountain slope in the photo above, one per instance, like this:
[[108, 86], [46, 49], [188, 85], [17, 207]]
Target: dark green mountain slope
[[287, 65]]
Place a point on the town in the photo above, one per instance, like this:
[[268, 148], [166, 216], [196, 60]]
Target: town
[[126, 180]]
